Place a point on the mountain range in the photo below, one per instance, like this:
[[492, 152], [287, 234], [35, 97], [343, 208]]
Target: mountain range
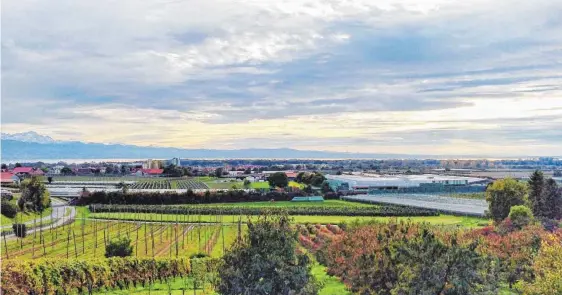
[[33, 146]]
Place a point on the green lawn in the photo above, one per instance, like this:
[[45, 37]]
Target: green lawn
[[330, 285], [259, 185], [175, 287]]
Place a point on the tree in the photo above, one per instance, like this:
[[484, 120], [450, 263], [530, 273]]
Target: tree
[[536, 196], [119, 247], [66, 171], [218, 172], [326, 188], [247, 183], [265, 261], [248, 171], [18, 165], [520, 216], [504, 194], [429, 266], [4, 167], [50, 179], [124, 169], [278, 179], [109, 170], [557, 173], [552, 198], [34, 195], [547, 267], [173, 171]]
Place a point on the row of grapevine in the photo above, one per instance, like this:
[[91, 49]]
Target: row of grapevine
[[150, 239], [153, 184], [70, 276], [191, 184], [390, 210]]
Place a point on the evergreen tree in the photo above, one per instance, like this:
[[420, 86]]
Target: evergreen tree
[[536, 196], [265, 262], [552, 200]]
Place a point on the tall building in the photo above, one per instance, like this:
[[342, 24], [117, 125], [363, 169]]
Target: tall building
[[152, 164]]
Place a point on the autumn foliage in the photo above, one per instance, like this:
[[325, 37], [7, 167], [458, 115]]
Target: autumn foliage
[[398, 257]]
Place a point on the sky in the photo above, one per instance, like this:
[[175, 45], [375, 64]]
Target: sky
[[398, 76]]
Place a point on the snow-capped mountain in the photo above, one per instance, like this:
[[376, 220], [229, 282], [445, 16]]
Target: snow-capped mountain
[[30, 136]]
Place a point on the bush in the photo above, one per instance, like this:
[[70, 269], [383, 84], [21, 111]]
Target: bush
[[120, 247], [198, 255], [8, 209], [20, 230], [520, 216]]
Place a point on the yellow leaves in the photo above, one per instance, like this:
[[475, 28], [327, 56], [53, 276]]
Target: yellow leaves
[[548, 269]]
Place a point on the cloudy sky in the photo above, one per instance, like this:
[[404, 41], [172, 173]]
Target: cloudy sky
[[404, 76]]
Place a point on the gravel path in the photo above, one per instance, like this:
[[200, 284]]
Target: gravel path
[[445, 204]]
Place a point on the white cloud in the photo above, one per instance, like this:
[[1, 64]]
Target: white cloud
[[331, 72]]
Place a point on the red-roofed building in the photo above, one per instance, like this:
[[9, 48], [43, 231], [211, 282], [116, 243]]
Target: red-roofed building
[[291, 175], [149, 172], [7, 177], [37, 172], [22, 170]]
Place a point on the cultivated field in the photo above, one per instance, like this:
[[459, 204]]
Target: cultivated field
[[87, 239]]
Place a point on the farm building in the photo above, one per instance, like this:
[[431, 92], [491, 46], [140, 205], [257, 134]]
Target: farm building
[[426, 182], [149, 172], [27, 171], [8, 178]]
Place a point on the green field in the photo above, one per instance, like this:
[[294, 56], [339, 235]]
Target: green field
[[438, 220], [288, 204]]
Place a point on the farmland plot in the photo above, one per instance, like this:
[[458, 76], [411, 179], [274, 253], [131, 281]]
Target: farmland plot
[[88, 240]]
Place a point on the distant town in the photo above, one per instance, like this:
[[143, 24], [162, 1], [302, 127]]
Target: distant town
[[341, 177]]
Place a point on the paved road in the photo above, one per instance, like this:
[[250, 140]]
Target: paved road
[[446, 204], [59, 210], [59, 207]]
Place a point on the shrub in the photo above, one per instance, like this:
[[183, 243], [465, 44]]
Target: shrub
[[20, 230], [120, 247], [198, 255], [520, 216], [9, 210]]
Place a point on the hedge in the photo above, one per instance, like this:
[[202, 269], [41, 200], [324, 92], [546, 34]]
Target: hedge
[[189, 197], [386, 210]]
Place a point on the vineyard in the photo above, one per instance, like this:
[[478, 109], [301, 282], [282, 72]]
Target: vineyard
[[84, 276], [149, 239], [153, 184], [191, 184]]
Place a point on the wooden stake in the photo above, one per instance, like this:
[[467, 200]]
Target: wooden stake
[[75, 248], [6, 247]]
